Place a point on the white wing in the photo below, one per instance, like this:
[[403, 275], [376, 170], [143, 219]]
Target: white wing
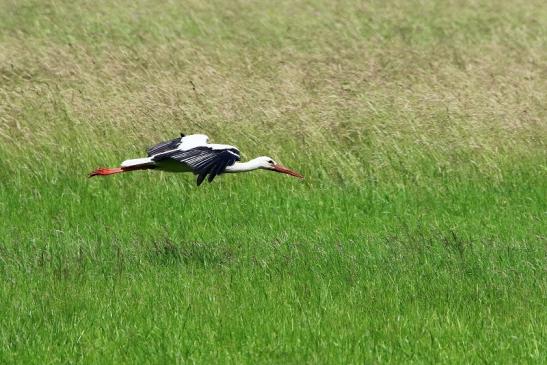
[[181, 143], [202, 160], [192, 141], [196, 154]]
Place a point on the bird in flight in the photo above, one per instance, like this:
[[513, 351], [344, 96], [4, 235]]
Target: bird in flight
[[194, 154]]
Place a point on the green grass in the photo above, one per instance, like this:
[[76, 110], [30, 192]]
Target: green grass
[[418, 235]]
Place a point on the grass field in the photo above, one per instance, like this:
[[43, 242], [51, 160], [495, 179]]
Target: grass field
[[418, 235]]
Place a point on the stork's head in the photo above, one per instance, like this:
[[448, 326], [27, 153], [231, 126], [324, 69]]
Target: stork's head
[[267, 163]]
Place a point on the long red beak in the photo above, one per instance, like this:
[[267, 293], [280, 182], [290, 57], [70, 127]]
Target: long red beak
[[284, 170]]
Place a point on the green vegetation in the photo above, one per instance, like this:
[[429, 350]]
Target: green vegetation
[[417, 236]]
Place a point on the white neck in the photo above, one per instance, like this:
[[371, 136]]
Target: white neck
[[244, 166]]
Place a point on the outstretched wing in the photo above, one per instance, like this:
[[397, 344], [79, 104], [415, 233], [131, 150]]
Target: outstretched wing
[[165, 146], [203, 160], [183, 143]]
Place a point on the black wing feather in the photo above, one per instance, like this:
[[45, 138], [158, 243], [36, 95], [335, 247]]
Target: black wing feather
[[215, 171], [203, 160], [165, 146]]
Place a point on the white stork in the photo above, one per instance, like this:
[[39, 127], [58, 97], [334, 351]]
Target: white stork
[[193, 154]]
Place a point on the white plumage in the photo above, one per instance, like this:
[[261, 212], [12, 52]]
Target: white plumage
[[194, 154]]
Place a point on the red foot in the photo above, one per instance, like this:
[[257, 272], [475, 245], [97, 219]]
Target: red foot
[[106, 171]]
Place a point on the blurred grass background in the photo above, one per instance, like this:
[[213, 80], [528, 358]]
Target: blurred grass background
[[417, 236]]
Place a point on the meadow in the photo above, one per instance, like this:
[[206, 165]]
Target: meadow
[[417, 236]]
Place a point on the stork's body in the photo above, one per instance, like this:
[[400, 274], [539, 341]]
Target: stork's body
[[194, 154]]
